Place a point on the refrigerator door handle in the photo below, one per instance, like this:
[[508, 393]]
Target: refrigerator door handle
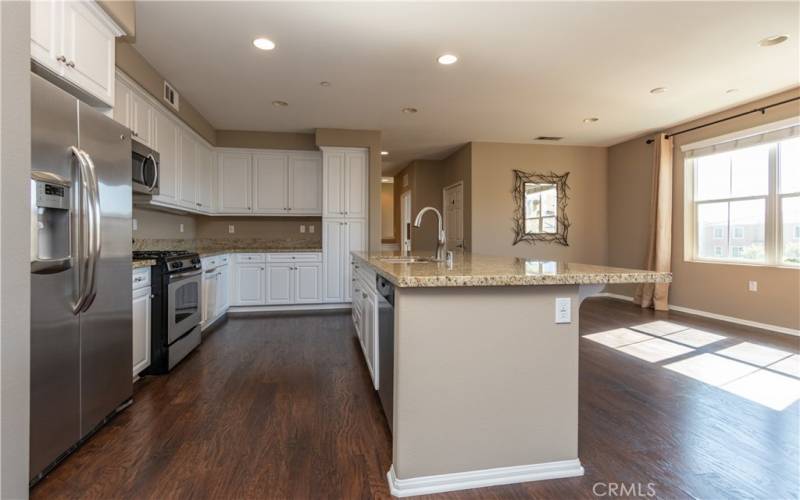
[[95, 233], [83, 200]]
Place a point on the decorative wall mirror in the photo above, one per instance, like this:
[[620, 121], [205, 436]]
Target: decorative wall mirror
[[540, 207]]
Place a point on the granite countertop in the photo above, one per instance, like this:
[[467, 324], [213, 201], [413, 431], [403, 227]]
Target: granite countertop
[[137, 263], [209, 252], [482, 270]]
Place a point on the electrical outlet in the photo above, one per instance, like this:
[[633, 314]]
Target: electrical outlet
[[135, 224], [302, 228], [181, 227], [311, 228], [231, 229], [752, 286], [563, 310]]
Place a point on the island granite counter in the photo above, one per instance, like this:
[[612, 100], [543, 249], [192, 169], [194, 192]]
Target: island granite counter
[[485, 374]]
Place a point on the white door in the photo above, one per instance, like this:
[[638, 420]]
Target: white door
[[89, 47], [203, 160], [234, 183], [167, 143], [333, 202], [45, 33], [356, 174], [141, 117], [305, 185], [453, 203], [355, 241], [279, 283], [188, 172], [141, 330], [405, 222], [249, 285], [222, 290], [333, 247], [270, 183], [308, 283]]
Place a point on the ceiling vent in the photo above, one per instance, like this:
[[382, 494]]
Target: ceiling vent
[[171, 96], [548, 138]]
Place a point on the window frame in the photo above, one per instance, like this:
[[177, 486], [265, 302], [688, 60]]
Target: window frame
[[773, 218]]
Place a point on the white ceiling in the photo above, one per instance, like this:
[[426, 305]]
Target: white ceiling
[[525, 69]]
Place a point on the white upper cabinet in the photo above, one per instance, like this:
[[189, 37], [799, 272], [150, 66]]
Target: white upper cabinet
[[305, 185], [345, 190], [188, 172], [204, 159], [75, 41], [270, 178], [140, 115], [167, 143], [234, 183]]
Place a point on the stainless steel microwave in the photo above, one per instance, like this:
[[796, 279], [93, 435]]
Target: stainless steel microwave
[[146, 164]]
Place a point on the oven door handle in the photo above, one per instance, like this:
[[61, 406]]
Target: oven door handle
[[188, 274]]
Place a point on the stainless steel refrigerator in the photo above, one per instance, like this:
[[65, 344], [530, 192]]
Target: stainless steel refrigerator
[[81, 338]]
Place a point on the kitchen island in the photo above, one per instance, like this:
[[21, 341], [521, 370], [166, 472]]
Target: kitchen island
[[486, 368]]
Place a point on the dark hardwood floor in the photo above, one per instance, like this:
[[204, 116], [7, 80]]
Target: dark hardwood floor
[[282, 407]]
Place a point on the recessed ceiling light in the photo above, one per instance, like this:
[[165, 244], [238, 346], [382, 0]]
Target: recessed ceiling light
[[731, 91], [773, 40], [409, 111], [658, 90], [447, 59], [264, 43], [590, 120], [324, 84], [384, 153], [280, 104]]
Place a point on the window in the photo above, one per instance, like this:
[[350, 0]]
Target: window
[[744, 199]]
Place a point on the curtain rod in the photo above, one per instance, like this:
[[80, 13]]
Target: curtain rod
[[761, 110]]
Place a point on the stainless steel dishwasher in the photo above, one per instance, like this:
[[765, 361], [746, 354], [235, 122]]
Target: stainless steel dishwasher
[[386, 346]]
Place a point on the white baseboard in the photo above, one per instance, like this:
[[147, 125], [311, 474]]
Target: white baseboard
[[720, 317], [296, 307], [481, 478]]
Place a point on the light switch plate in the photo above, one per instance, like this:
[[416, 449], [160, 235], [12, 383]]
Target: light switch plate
[[135, 224], [302, 228], [752, 286], [231, 229], [311, 228], [563, 310], [181, 227]]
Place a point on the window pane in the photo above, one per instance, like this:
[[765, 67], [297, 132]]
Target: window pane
[[549, 225], [750, 171], [790, 165], [790, 208], [532, 225], [747, 221], [713, 176], [549, 202], [712, 219]]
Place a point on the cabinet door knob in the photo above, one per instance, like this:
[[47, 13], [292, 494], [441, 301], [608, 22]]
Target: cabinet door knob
[[61, 59], [71, 64]]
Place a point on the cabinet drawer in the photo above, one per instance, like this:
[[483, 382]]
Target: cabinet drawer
[[222, 259], [294, 257], [141, 278], [251, 257], [210, 262]]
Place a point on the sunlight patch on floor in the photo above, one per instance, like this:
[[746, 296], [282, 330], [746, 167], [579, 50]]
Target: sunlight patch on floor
[[764, 375]]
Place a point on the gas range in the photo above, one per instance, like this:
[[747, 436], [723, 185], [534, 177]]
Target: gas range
[[171, 261]]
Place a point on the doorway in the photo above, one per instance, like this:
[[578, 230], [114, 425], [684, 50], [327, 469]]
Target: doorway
[[453, 203], [405, 222]]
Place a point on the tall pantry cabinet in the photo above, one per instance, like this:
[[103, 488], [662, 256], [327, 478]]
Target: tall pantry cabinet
[[345, 197]]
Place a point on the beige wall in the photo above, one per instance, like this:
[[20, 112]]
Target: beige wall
[[267, 228], [265, 140], [493, 204], [716, 288], [458, 168], [155, 224], [140, 71], [123, 12], [15, 278], [387, 213], [370, 139]]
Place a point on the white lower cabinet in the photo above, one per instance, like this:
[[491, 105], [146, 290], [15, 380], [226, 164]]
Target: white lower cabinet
[[365, 318], [223, 288], [142, 301], [277, 279], [215, 289], [339, 238]]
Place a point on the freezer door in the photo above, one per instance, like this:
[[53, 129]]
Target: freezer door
[[55, 334], [106, 325]]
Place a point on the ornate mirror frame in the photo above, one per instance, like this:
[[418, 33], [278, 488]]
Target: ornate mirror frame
[[521, 179]]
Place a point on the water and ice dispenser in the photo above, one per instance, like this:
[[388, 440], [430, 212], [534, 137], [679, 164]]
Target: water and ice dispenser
[[51, 221]]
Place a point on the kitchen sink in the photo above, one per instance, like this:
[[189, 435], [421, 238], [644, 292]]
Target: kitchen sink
[[408, 260]]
